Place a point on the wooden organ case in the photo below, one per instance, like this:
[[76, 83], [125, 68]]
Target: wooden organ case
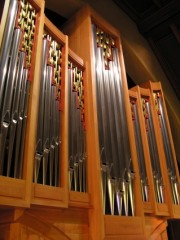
[[113, 184], [148, 106], [50, 161], [81, 156], [166, 145], [21, 29]]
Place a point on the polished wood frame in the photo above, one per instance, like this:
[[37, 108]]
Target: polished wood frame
[[3, 19]]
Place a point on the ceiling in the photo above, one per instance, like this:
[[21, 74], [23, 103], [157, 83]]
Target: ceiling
[[157, 20]]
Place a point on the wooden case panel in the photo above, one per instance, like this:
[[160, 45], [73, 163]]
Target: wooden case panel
[[125, 226], [156, 228], [43, 224]]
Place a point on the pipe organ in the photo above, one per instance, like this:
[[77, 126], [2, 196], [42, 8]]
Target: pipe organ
[[115, 156], [17, 51], [144, 179], [81, 156], [77, 132], [165, 143], [167, 146], [155, 162], [48, 129]]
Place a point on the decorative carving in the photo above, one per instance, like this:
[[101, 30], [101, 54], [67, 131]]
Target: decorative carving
[[145, 111], [78, 87], [106, 42], [55, 59], [26, 21]]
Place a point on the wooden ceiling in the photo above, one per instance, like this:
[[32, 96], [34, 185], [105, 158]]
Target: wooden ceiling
[[159, 22]]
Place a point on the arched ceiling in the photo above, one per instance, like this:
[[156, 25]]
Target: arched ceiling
[[157, 20]]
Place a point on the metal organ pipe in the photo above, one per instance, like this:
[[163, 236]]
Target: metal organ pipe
[[116, 164], [15, 67], [167, 147], [77, 133], [47, 157]]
